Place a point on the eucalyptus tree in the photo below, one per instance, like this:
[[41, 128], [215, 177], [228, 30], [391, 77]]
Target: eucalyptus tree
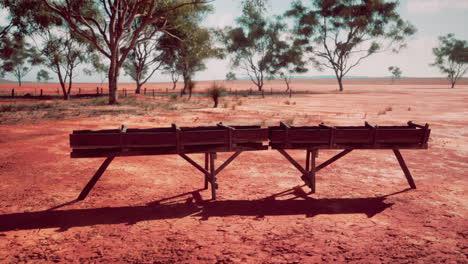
[[143, 61], [43, 75], [189, 45], [114, 28], [62, 53], [171, 69], [20, 20], [451, 57], [230, 76], [396, 72], [340, 34], [255, 45]]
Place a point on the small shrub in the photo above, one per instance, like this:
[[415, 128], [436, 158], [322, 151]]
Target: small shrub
[[239, 103], [409, 108], [225, 105], [293, 103], [173, 97], [215, 92], [388, 109], [287, 102], [383, 112]]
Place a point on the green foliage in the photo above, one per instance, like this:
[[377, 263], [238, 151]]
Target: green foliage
[[43, 75], [451, 57], [114, 28], [257, 46], [188, 46], [230, 76], [339, 34], [395, 71]]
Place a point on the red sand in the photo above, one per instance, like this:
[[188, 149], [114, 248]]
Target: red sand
[[362, 211]]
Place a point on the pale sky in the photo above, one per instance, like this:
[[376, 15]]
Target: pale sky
[[432, 18]]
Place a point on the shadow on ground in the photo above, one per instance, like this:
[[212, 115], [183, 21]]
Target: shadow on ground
[[299, 203]]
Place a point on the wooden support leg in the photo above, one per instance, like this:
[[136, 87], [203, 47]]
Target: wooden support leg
[[214, 186], [95, 178], [305, 173], [207, 164], [405, 169], [313, 169], [333, 159]]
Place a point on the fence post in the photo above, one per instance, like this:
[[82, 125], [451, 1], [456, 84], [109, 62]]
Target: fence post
[[153, 92], [271, 91], [97, 90], [102, 90], [79, 90], [263, 94], [167, 90], [13, 92], [144, 91], [290, 92], [41, 93]]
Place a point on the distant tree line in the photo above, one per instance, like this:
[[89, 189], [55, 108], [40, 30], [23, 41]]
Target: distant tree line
[[142, 37]]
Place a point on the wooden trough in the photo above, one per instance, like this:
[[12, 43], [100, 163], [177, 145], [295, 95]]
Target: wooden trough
[[169, 140], [222, 138], [313, 138]]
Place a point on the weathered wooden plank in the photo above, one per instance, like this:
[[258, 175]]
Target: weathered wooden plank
[[95, 153], [149, 139], [204, 137], [250, 135], [110, 140]]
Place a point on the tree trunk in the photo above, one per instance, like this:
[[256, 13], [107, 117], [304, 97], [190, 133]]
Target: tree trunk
[[287, 84], [138, 89], [187, 81], [215, 102], [453, 84], [113, 81], [174, 84], [340, 83]]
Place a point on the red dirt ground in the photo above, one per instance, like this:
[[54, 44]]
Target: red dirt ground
[[362, 212]]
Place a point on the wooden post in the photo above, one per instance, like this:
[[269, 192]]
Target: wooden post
[[102, 90], [41, 92], [263, 94], [144, 91], [405, 169], [212, 175], [97, 90], [79, 90], [13, 93], [290, 93], [271, 91], [207, 164], [153, 93], [95, 178], [313, 167]]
